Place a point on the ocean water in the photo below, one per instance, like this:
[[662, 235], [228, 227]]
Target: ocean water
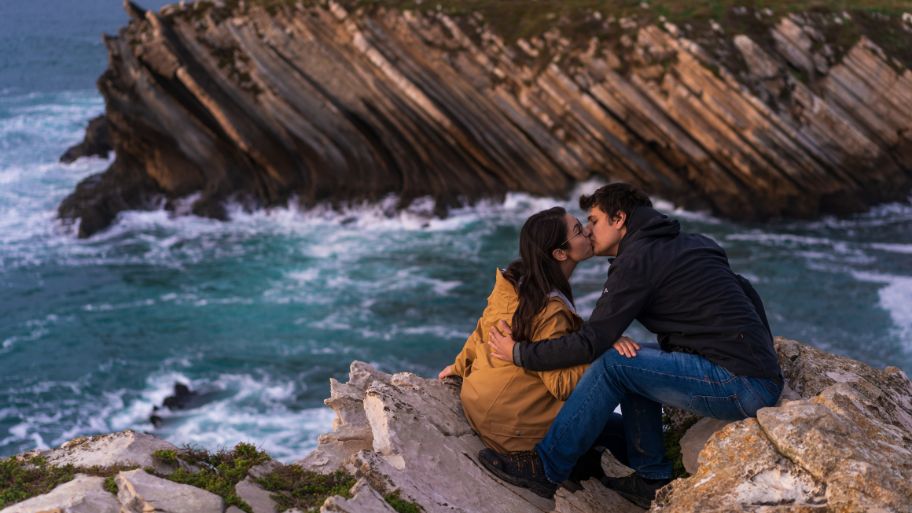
[[258, 313]]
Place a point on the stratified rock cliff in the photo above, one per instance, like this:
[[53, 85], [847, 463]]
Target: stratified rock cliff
[[261, 101]]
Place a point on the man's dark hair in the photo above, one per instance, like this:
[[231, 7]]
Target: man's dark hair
[[614, 198]]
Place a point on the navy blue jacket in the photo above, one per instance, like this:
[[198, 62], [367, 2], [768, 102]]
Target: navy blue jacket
[[679, 286]]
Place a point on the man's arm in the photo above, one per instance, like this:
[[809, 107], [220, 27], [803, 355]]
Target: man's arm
[[627, 291]]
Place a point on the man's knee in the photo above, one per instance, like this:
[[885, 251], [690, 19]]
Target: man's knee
[[609, 360]]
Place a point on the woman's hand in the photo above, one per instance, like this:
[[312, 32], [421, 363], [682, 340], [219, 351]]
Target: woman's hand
[[501, 345], [447, 371], [626, 346]]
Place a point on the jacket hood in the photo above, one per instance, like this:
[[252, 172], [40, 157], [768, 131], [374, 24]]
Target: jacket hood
[[504, 293], [647, 222]]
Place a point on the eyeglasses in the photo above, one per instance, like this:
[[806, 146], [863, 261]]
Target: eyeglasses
[[578, 229]]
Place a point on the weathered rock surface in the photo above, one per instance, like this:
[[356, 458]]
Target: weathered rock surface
[[740, 470], [327, 101], [419, 441], [141, 492], [84, 494], [697, 435], [593, 497], [845, 445], [695, 439], [259, 500], [364, 500], [126, 448], [840, 442]]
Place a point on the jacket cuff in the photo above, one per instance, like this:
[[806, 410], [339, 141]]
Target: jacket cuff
[[517, 355]]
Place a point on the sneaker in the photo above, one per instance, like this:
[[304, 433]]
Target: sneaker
[[519, 468], [636, 489]]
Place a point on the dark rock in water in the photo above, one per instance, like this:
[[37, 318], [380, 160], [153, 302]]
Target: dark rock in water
[[97, 142], [797, 116], [183, 398], [100, 197]]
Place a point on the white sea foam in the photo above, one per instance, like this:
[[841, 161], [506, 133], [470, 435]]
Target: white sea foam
[[895, 298], [243, 408], [893, 248], [680, 213]]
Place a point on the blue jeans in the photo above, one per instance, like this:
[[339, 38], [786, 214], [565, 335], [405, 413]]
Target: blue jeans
[[640, 385]]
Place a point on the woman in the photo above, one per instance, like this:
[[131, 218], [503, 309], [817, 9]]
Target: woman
[[509, 407]]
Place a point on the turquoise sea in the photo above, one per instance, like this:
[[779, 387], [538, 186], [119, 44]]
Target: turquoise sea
[[258, 313]]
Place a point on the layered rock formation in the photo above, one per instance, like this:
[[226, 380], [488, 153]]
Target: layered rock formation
[[262, 101], [839, 441]]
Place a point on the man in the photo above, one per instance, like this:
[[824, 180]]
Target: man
[[715, 355]]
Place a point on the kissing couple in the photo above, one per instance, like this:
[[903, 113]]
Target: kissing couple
[[541, 386]]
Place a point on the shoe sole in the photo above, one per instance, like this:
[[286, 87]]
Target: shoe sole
[[536, 487]]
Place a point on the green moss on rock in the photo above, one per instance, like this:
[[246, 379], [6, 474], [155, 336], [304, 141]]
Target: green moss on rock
[[217, 472], [401, 505], [27, 476], [295, 487]]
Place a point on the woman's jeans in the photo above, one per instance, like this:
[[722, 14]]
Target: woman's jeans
[[641, 385]]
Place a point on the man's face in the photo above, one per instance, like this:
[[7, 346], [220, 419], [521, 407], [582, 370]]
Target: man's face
[[606, 233]]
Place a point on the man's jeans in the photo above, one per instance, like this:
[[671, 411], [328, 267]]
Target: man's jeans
[[641, 385]]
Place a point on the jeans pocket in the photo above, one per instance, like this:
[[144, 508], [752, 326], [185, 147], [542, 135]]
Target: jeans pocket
[[725, 408]]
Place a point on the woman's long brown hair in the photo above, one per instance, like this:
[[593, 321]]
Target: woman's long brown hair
[[536, 274]]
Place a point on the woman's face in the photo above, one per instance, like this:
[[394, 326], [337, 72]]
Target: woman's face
[[578, 242]]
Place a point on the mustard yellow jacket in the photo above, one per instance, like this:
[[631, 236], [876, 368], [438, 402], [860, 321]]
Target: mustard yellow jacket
[[509, 407]]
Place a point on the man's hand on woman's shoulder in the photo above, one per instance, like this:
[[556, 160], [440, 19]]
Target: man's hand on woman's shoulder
[[500, 338]]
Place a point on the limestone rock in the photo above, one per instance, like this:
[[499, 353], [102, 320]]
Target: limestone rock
[[421, 441], [140, 492], [840, 442], [260, 500], [808, 370], [127, 448], [854, 438], [258, 471], [351, 430], [84, 494], [695, 439], [364, 500], [593, 497], [614, 468], [740, 470], [418, 443], [845, 446]]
